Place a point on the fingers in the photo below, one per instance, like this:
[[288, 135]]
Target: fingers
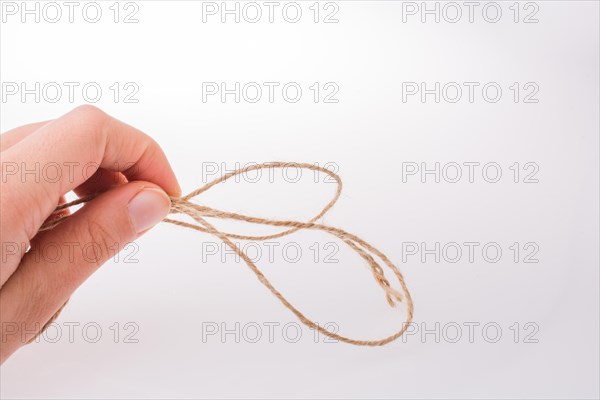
[[84, 241], [76, 145], [60, 156], [101, 181], [12, 137]]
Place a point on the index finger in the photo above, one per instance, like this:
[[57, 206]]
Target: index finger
[[62, 154]]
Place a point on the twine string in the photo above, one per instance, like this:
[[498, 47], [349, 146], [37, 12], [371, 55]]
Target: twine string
[[200, 214]]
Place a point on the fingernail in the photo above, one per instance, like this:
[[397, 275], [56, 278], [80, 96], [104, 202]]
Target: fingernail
[[148, 208]]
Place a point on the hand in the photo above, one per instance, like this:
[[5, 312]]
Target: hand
[[85, 151]]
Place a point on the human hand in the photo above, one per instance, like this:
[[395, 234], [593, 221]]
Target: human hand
[[41, 162]]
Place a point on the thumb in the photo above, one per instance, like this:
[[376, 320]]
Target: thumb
[[63, 258]]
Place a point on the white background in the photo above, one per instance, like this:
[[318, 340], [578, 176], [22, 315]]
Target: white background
[[171, 293]]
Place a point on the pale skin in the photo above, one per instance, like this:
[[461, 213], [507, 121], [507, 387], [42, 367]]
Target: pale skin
[[84, 151]]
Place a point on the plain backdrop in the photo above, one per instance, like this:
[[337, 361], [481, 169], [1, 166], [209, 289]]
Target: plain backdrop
[[174, 317]]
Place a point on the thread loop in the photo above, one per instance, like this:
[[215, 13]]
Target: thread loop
[[199, 213]]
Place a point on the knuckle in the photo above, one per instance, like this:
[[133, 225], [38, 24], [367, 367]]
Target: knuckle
[[91, 117], [91, 128], [89, 112]]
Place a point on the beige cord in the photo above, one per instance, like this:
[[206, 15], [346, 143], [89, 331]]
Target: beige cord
[[183, 205]]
